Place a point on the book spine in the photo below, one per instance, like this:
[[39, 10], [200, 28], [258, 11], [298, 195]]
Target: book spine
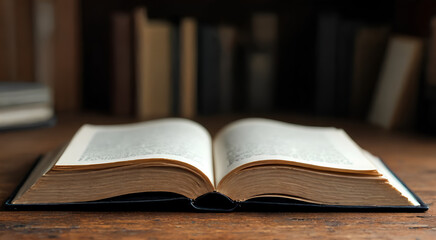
[[23, 41], [227, 41], [57, 51], [428, 100], [208, 69], [67, 54], [16, 44], [158, 67], [260, 75], [153, 66], [95, 32], [6, 41], [369, 48], [346, 35], [44, 21], [140, 75], [122, 77], [175, 69], [188, 67], [261, 62], [326, 63], [395, 96]]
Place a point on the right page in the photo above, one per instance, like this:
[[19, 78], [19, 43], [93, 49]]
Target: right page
[[251, 140]]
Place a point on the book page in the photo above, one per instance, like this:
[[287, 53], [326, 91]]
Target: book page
[[392, 179], [176, 139], [251, 140]]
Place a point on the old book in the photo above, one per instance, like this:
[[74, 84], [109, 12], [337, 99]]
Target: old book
[[208, 69], [122, 62], [428, 102], [250, 161], [96, 57], [344, 60], [67, 54], [296, 67], [188, 67], [431, 58], [153, 66], [369, 47], [396, 91], [326, 65], [44, 21], [57, 51], [261, 62], [175, 68], [4, 54], [227, 41], [16, 45], [261, 74]]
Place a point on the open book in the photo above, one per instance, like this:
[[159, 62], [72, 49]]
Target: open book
[[247, 160]]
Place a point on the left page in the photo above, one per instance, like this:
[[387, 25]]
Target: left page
[[175, 139]]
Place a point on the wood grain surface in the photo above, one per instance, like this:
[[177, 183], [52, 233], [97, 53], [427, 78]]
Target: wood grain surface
[[411, 156]]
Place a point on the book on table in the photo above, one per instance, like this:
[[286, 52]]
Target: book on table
[[250, 162]]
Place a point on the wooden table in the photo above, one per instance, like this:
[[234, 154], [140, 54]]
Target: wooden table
[[410, 156]]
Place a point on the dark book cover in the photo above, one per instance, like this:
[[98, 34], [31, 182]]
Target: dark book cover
[[175, 67], [261, 62], [122, 64], [239, 94], [208, 69], [261, 80], [326, 66], [295, 88], [369, 49], [227, 37], [96, 54], [345, 55]]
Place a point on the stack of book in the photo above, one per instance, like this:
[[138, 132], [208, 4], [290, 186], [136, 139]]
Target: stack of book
[[181, 66], [142, 59], [25, 105]]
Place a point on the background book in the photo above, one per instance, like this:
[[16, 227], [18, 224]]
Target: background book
[[307, 65], [67, 69], [227, 42], [395, 96], [369, 48], [57, 51], [16, 47], [175, 67], [209, 49], [296, 75], [188, 67], [347, 30], [153, 66], [261, 62], [427, 106], [326, 65], [44, 28], [95, 39], [122, 64]]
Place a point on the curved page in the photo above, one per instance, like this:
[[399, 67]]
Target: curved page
[[175, 139], [251, 140]]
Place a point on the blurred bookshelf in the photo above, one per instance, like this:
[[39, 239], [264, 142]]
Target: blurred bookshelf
[[361, 60]]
